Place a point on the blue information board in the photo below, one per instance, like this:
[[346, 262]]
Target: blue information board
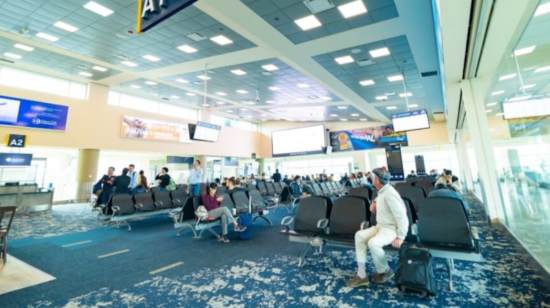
[[151, 12], [15, 160], [32, 114]]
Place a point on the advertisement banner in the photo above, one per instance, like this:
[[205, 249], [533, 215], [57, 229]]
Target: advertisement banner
[[139, 128], [366, 138], [32, 114], [179, 160], [15, 160], [527, 126]]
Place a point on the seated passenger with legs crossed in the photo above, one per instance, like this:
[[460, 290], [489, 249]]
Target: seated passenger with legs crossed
[[392, 227], [212, 204]]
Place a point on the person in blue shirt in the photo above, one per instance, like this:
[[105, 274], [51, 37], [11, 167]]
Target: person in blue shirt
[[442, 190], [195, 178], [132, 173]]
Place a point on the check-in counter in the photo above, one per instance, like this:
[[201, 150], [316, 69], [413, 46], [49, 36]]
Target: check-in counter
[[25, 196]]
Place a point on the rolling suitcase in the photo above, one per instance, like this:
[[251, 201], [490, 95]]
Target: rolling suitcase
[[415, 272]]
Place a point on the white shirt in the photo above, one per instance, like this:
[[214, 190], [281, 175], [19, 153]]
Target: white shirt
[[391, 212], [195, 176]]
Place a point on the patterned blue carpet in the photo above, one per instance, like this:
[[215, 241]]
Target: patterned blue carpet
[[261, 272]]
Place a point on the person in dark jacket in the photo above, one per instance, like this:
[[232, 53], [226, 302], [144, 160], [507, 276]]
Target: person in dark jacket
[[276, 176], [286, 180], [163, 179], [213, 204], [122, 182], [233, 185], [296, 187], [106, 182]]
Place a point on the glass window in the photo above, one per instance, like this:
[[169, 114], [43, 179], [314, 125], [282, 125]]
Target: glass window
[[151, 106], [174, 111]]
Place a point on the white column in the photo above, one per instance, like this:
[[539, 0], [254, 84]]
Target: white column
[[359, 158], [462, 153], [479, 131]]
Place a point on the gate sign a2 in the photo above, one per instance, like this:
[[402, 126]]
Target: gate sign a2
[[153, 12]]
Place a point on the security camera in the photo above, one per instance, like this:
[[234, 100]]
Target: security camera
[[257, 99]]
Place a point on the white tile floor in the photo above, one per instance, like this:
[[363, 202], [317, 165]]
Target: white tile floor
[[16, 275]]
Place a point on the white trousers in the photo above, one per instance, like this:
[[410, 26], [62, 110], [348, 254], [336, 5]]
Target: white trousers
[[374, 238]]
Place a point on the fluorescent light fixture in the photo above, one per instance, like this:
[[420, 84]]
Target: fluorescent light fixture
[[343, 120], [524, 51], [499, 114], [492, 104], [205, 105], [203, 77], [413, 106], [382, 97], [187, 49], [270, 67], [221, 40], [326, 98], [190, 94], [135, 86], [542, 69], [381, 52], [47, 37], [128, 63], [497, 92], [333, 115], [174, 97], [242, 91], [238, 72], [528, 86], [369, 82], [99, 68], [543, 9], [229, 111], [391, 107], [221, 94], [408, 94], [344, 60], [303, 85], [362, 119], [308, 22], [251, 103], [506, 77], [274, 88], [352, 9], [85, 74], [300, 99], [182, 80], [23, 47], [244, 109], [12, 55], [519, 98], [151, 58], [263, 115], [342, 107], [98, 9], [220, 103], [249, 116], [151, 83], [488, 110], [269, 102], [354, 114], [65, 26], [395, 78]]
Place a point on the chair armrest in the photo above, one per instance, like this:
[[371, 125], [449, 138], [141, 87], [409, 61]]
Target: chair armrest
[[322, 223], [365, 225], [115, 208], [475, 233], [159, 203], [414, 229], [287, 221], [139, 206], [176, 201]]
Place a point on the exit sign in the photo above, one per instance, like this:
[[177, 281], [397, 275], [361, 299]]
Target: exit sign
[[153, 12]]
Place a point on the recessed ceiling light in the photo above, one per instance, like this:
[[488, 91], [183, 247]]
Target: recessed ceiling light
[[205, 105], [274, 88], [242, 91], [23, 47], [333, 115], [248, 116], [524, 51], [251, 102], [499, 114], [353, 8], [174, 97], [182, 80], [229, 111], [528, 86], [519, 98], [382, 98], [342, 107], [98, 9], [343, 120], [381, 52], [187, 49], [244, 109], [269, 102], [277, 119], [99, 68], [128, 63], [151, 58], [190, 94], [303, 85], [263, 115], [369, 82], [492, 104], [12, 55], [543, 9], [362, 119], [135, 86], [408, 94], [391, 107], [307, 23], [300, 99], [203, 77], [542, 69], [395, 78], [220, 103], [413, 105], [221, 40], [488, 110], [344, 60], [505, 77], [326, 98], [65, 26], [85, 74], [47, 37], [151, 83], [238, 72], [354, 114], [497, 92], [270, 67], [221, 94]]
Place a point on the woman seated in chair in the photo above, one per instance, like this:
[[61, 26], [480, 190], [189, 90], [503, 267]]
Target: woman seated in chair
[[212, 204]]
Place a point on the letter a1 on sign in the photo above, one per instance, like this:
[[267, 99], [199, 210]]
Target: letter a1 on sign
[[152, 12], [17, 141]]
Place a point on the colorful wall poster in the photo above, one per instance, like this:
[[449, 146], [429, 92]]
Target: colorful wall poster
[[139, 128], [366, 138]]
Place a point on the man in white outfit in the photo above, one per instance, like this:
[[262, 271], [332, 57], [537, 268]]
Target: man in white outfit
[[392, 227]]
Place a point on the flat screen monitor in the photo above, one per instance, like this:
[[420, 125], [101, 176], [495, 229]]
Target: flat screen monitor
[[420, 167], [525, 109], [299, 141], [206, 132], [412, 120], [395, 162]]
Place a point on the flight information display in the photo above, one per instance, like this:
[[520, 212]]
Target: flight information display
[[412, 120], [299, 141], [207, 132], [525, 109]]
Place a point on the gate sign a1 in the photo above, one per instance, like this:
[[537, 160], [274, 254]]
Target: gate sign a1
[[153, 12]]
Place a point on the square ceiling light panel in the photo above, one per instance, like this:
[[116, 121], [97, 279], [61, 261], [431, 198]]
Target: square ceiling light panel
[[284, 86], [334, 16], [164, 92]]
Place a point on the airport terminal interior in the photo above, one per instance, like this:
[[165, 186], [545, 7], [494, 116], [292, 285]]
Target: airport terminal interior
[[274, 153]]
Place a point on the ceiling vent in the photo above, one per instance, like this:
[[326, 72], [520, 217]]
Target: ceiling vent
[[439, 117], [389, 93], [82, 67], [267, 73], [429, 74], [196, 37], [318, 6], [365, 62], [165, 98], [122, 57]]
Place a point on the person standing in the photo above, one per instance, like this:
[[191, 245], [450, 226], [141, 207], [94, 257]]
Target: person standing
[[392, 227], [195, 178], [122, 183], [134, 178], [276, 176]]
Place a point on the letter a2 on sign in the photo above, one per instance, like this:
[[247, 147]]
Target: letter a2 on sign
[[17, 141], [152, 12]]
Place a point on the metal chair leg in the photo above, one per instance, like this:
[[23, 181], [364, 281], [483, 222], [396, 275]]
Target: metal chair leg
[[264, 218], [302, 258], [450, 266], [211, 231]]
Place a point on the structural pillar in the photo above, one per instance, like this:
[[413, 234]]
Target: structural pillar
[[359, 158], [86, 173], [463, 159]]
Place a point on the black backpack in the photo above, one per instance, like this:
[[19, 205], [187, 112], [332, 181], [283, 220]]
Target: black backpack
[[415, 273]]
